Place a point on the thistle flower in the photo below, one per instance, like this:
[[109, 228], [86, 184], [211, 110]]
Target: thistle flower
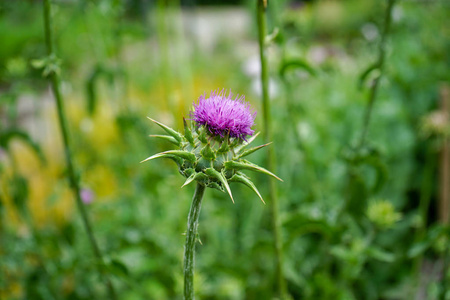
[[212, 149], [221, 115], [211, 152]]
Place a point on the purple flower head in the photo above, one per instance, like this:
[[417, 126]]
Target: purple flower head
[[221, 115]]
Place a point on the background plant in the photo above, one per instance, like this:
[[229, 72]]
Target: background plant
[[317, 108]]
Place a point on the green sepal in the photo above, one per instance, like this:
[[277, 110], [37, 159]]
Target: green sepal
[[202, 135], [246, 165], [167, 138], [189, 179], [245, 180], [207, 153], [251, 150], [173, 153], [187, 172], [176, 135], [235, 143], [248, 142], [216, 186], [188, 133], [224, 147], [200, 177], [213, 173]]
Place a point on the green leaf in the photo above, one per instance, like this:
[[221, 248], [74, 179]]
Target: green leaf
[[380, 254], [241, 178], [420, 247], [299, 224], [118, 267], [296, 64], [188, 133], [8, 136], [356, 203], [271, 37], [213, 173], [251, 150], [381, 171], [176, 135], [50, 64], [166, 138], [366, 73], [38, 63], [173, 153], [96, 74], [19, 193], [246, 165]]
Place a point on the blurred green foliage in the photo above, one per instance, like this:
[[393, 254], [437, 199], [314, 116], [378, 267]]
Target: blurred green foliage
[[357, 224]]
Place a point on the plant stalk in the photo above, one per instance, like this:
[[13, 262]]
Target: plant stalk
[[271, 163], [189, 248], [73, 180], [380, 63]]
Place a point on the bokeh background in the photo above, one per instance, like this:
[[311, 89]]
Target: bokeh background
[[355, 225]]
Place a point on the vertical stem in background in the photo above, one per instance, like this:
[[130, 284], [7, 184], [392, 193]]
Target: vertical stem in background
[[55, 83], [380, 65], [189, 248], [444, 193], [184, 70], [262, 33], [120, 62], [167, 81], [176, 73]]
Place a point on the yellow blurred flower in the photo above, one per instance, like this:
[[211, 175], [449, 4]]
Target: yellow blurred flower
[[44, 184]]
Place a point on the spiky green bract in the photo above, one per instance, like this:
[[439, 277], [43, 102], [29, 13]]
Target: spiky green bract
[[211, 161]]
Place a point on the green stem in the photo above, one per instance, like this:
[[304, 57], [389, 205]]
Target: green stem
[[163, 33], [189, 247], [120, 63], [380, 63], [74, 184], [271, 163]]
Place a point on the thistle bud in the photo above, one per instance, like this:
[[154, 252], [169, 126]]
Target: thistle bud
[[212, 149]]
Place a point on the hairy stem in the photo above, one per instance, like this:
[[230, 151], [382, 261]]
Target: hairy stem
[[73, 180], [271, 163], [380, 64], [189, 247]]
